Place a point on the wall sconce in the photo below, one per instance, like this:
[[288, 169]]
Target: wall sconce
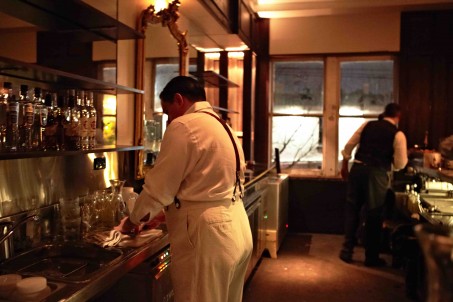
[[157, 13]]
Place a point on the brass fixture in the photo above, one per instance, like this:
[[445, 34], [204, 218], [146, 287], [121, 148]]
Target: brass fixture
[[167, 17]]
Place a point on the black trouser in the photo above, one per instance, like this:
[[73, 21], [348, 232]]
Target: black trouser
[[367, 187]]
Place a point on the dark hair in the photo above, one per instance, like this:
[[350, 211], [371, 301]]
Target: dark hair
[[392, 110], [186, 86]]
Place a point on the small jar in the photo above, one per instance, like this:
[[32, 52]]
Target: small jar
[[8, 285], [31, 289]]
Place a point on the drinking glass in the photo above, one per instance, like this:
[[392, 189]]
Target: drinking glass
[[70, 218]]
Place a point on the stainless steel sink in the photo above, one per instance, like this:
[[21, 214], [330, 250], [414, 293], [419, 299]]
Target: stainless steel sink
[[66, 262]]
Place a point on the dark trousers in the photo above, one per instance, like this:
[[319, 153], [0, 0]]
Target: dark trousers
[[367, 187]]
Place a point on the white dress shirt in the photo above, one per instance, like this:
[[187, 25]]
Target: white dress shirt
[[399, 146], [196, 163]]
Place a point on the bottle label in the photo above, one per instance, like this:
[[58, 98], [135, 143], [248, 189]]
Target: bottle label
[[83, 130], [28, 114], [92, 126], [12, 114]]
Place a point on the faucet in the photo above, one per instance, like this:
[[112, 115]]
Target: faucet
[[8, 229]]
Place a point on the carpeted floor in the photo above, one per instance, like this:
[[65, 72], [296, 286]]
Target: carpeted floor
[[308, 269]]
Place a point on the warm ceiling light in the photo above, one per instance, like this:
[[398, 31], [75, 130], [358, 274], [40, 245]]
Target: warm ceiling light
[[159, 4], [212, 55], [237, 48], [294, 13]]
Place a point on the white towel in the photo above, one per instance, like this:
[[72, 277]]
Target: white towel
[[113, 239], [116, 238]]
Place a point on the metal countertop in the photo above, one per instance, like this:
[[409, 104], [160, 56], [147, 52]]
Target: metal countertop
[[108, 276]]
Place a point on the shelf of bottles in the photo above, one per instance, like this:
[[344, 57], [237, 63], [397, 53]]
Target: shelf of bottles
[[37, 124]]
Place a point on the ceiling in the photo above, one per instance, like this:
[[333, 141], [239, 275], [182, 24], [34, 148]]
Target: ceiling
[[310, 8], [205, 33]]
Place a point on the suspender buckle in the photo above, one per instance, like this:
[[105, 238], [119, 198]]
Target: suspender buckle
[[177, 203]]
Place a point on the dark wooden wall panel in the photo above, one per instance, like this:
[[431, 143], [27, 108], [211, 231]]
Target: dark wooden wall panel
[[415, 97], [426, 76], [261, 135]]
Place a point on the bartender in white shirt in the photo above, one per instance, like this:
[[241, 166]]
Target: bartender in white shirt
[[381, 149], [209, 231]]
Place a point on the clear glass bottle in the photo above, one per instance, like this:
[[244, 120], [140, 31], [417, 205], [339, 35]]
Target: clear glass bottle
[[117, 203], [50, 129], [3, 113], [60, 121], [83, 121], [12, 121], [40, 120], [71, 127], [92, 120], [27, 112]]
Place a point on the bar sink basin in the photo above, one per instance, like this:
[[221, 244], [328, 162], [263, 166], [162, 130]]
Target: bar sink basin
[[65, 261]]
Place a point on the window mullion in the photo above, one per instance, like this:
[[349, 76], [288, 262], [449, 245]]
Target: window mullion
[[330, 117]]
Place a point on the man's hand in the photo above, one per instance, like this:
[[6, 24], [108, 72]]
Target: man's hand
[[127, 227]]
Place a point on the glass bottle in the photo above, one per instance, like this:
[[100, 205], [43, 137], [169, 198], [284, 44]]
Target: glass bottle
[[26, 119], [50, 130], [92, 120], [60, 114], [117, 203], [12, 121], [71, 126], [83, 121], [40, 120], [3, 112]]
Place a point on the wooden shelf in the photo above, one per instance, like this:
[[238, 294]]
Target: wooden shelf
[[221, 109], [65, 80], [72, 17], [213, 79], [97, 149]]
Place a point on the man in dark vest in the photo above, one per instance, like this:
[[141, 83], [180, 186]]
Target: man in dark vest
[[382, 148]]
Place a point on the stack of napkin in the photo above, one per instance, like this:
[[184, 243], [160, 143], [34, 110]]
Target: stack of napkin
[[116, 238]]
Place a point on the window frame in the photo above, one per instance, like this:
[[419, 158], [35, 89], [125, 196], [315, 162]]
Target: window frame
[[330, 166]]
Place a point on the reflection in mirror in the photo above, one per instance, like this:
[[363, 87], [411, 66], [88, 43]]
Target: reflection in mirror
[[161, 65]]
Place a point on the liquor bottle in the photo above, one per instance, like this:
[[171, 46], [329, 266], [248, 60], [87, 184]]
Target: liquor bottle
[[26, 110], [60, 121], [50, 129], [3, 110], [12, 122], [83, 122], [40, 120], [92, 120], [71, 126]]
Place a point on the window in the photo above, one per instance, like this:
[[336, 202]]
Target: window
[[106, 105], [366, 87], [317, 104], [297, 112]]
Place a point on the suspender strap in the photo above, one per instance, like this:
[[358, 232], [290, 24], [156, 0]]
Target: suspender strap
[[236, 153]]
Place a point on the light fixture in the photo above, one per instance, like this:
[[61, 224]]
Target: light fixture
[[168, 16]]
